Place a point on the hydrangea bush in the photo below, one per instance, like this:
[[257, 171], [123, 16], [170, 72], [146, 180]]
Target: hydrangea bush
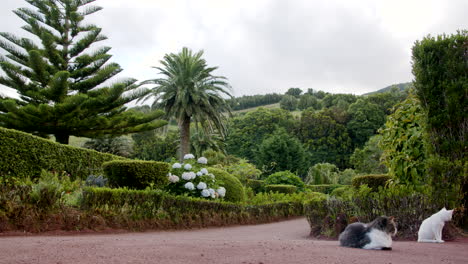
[[192, 179]]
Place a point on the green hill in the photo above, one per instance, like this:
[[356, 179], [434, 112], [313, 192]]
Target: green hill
[[400, 86]]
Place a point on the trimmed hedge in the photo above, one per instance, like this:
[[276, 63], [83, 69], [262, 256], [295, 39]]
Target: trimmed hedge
[[285, 177], [144, 209], [234, 189], [281, 188], [24, 155], [323, 188], [137, 173], [257, 186], [372, 180]]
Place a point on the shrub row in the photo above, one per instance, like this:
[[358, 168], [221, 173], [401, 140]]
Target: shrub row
[[372, 180], [136, 173], [257, 186], [142, 209], [24, 155], [323, 188]]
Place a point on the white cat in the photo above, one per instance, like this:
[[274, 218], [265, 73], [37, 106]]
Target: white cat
[[431, 228]]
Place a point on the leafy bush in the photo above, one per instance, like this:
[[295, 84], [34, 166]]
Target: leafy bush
[[25, 155], [322, 173], [234, 188], [257, 186], [281, 188], [285, 177], [372, 180], [149, 145], [136, 174], [323, 188], [244, 171], [346, 176], [343, 192], [192, 179]]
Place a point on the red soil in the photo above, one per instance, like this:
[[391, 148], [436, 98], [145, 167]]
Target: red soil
[[282, 242]]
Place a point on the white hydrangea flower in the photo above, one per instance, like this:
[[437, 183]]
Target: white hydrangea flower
[[187, 166], [204, 171], [187, 176], [221, 191], [205, 193], [189, 186], [176, 165], [212, 192], [202, 160], [174, 178], [189, 156], [201, 186], [199, 174]]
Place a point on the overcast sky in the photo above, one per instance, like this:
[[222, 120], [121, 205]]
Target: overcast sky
[[266, 46]]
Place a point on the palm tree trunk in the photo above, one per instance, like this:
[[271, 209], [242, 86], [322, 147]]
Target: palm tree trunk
[[184, 126]]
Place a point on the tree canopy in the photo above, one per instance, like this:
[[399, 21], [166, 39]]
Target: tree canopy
[[63, 84]]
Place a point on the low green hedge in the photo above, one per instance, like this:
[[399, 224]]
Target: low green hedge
[[143, 209], [24, 155], [136, 174], [281, 188], [323, 188], [257, 186], [372, 180]]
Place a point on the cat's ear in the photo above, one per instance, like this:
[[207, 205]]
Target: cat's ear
[[391, 218]]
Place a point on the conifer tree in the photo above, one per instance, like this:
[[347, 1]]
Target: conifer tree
[[63, 82]]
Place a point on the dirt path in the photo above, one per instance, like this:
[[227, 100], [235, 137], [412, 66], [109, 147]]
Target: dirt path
[[283, 242]]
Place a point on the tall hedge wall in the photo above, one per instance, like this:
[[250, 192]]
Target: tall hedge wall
[[24, 155]]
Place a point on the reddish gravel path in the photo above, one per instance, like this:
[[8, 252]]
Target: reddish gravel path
[[283, 242]]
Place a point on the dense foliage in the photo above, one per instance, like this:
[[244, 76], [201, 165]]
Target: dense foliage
[[285, 177]]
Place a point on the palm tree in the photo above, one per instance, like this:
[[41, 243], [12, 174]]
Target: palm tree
[[187, 91]]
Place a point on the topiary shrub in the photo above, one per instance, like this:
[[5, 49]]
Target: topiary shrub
[[257, 186], [323, 188], [234, 188], [285, 177], [372, 180], [281, 188], [136, 173]]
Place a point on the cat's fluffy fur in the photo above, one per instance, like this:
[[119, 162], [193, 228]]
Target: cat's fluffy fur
[[374, 235], [431, 228]]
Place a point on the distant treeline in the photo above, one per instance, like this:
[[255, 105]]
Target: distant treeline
[[249, 101]]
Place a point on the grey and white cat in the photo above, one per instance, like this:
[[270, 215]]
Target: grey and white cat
[[374, 235], [431, 228]]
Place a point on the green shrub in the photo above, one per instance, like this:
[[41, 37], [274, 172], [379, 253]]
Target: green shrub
[[244, 171], [285, 177], [343, 191], [323, 188], [136, 174], [372, 180], [234, 188], [281, 188], [323, 173], [257, 186], [24, 155]]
